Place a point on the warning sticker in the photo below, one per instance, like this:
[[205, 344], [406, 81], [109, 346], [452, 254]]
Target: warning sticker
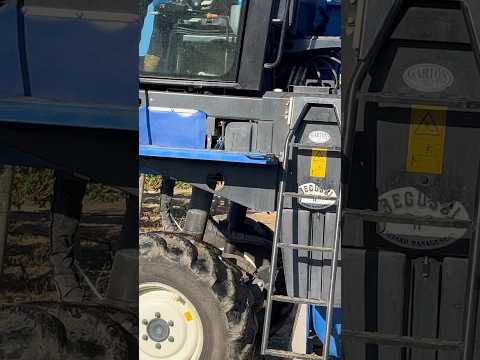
[[188, 316], [318, 163], [426, 139]]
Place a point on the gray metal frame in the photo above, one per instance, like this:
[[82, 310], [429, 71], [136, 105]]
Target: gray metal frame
[[368, 40], [272, 111], [300, 109]]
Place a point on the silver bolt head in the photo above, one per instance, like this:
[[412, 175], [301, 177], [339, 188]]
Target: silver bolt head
[[145, 322], [145, 337], [158, 346], [170, 323], [157, 315], [171, 339]]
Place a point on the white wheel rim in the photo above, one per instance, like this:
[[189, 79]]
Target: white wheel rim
[[170, 327]]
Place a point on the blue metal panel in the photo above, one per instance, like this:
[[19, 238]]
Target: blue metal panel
[[11, 83], [173, 128], [78, 60], [320, 17], [143, 126], [318, 317], [35, 111], [205, 155]]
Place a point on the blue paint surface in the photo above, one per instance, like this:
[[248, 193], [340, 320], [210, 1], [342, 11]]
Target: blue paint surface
[[81, 60], [147, 30], [319, 325], [172, 128], [11, 83], [35, 111], [204, 155]]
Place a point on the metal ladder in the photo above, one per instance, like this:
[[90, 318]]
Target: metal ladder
[[277, 244], [465, 346]]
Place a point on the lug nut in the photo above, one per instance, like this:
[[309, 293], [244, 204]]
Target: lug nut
[[171, 339], [158, 346], [145, 322], [145, 337], [170, 323], [157, 315]]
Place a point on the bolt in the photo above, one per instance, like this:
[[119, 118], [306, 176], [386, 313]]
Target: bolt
[[145, 337], [157, 315], [170, 323], [145, 322], [158, 346], [171, 339]]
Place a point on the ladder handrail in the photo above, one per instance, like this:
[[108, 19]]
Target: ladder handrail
[[276, 245]]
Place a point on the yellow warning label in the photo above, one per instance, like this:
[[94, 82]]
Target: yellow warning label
[[426, 139], [318, 163], [188, 316]]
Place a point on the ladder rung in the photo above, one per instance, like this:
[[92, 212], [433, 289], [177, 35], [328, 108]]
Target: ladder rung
[[297, 300], [291, 355], [335, 149], [306, 196], [403, 341], [304, 247], [375, 216]]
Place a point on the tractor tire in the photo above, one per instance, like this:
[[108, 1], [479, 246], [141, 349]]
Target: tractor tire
[[212, 291], [216, 235], [67, 331]]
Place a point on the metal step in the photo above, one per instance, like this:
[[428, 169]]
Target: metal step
[[304, 247], [376, 216], [291, 355], [305, 196], [297, 300], [331, 149], [403, 341], [407, 101]]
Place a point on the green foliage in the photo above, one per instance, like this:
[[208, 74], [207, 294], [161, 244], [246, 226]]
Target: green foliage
[[153, 183], [102, 193], [32, 186], [35, 186]]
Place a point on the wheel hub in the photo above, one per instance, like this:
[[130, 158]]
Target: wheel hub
[[170, 327], [158, 330]]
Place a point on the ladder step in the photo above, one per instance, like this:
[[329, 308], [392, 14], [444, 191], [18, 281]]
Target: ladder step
[[375, 216], [304, 247], [334, 149], [297, 300], [371, 337], [305, 196], [291, 355]]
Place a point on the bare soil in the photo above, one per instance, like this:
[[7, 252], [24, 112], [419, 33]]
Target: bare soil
[[26, 270]]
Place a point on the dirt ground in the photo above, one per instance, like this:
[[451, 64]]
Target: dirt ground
[[27, 272]]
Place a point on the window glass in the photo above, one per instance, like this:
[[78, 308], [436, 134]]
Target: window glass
[[191, 39]]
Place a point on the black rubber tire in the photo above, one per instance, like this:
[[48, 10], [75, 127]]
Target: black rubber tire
[[68, 331], [219, 291], [216, 236]]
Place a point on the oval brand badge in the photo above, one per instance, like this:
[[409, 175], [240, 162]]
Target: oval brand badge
[[428, 77], [412, 202], [319, 137], [313, 189]]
